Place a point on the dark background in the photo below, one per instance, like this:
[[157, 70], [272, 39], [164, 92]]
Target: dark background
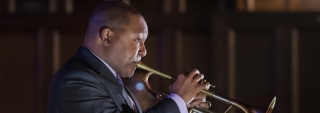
[[251, 50]]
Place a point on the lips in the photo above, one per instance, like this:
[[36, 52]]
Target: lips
[[135, 63]]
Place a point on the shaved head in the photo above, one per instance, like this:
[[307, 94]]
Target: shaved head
[[114, 15], [116, 34]]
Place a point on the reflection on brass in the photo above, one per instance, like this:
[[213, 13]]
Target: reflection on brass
[[232, 102]]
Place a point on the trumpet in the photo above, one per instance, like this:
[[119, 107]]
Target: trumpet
[[231, 102]]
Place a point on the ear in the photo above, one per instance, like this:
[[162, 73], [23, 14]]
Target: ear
[[104, 33]]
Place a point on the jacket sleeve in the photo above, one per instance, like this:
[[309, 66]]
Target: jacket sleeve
[[78, 92], [167, 105]]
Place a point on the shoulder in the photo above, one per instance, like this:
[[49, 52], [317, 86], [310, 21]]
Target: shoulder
[[73, 74], [76, 69]]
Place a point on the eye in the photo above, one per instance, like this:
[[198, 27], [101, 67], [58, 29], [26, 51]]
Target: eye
[[137, 40]]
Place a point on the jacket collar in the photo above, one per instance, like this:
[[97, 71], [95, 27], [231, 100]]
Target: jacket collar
[[95, 64]]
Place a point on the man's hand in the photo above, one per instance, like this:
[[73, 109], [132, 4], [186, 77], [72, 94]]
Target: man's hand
[[200, 102], [187, 86]]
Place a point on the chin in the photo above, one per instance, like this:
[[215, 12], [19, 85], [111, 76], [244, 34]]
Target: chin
[[131, 73], [128, 74]]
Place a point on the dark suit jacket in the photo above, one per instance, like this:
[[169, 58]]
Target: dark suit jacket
[[85, 85]]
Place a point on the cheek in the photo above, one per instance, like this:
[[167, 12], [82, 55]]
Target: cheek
[[133, 50]]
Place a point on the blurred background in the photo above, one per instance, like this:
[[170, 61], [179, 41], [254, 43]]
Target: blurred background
[[251, 50]]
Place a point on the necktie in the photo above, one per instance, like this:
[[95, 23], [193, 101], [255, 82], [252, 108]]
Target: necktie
[[125, 93], [119, 79]]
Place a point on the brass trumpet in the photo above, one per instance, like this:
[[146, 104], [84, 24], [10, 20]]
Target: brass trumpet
[[244, 107]]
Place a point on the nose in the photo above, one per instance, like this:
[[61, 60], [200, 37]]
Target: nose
[[142, 50]]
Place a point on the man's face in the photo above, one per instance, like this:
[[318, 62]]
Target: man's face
[[127, 46]]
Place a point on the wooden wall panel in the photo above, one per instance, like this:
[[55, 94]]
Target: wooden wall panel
[[219, 59], [254, 65], [152, 7], [270, 5], [282, 68], [69, 44], [196, 53], [271, 59], [17, 71], [309, 63], [167, 51]]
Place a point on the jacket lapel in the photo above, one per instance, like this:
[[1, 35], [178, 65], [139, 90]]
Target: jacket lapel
[[134, 100]]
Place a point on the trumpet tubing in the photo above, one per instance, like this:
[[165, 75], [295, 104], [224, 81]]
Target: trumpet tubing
[[244, 107]]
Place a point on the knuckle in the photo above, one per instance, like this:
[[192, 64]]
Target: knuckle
[[196, 71]]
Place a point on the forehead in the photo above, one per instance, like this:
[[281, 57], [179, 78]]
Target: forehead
[[138, 24]]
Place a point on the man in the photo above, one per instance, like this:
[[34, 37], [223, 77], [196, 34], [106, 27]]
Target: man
[[89, 82]]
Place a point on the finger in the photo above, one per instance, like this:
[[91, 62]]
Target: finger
[[198, 77], [195, 103], [193, 73], [201, 96], [204, 105], [205, 85]]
